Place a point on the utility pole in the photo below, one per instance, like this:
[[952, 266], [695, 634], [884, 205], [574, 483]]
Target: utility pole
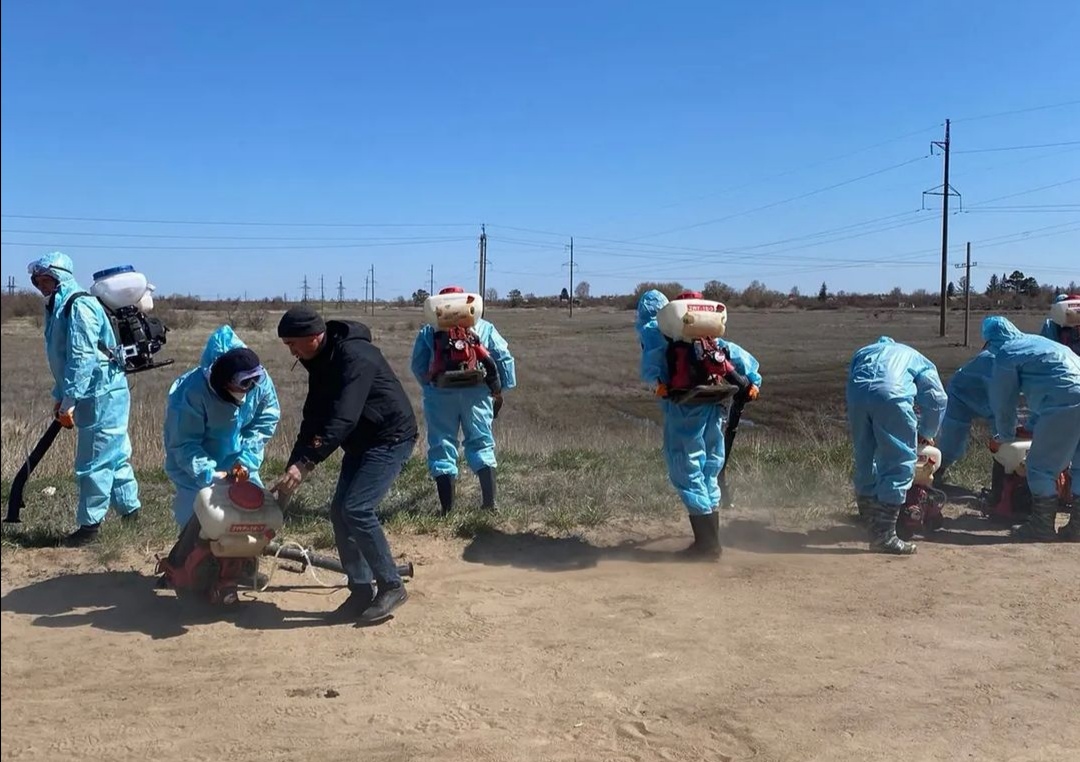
[[305, 288], [431, 280], [373, 290], [968, 264], [367, 288], [322, 291], [483, 260], [340, 292], [571, 291], [944, 190]]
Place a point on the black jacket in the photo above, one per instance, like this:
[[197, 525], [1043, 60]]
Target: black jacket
[[354, 399]]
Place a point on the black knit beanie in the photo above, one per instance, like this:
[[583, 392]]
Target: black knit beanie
[[299, 322]]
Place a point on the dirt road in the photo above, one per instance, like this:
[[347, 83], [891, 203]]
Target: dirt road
[[793, 647]]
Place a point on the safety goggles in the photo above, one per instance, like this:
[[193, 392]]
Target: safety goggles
[[248, 379]]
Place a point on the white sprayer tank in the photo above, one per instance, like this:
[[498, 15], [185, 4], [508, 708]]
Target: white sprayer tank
[[1066, 313], [120, 287], [929, 459], [239, 518], [453, 310], [689, 319], [1013, 456]]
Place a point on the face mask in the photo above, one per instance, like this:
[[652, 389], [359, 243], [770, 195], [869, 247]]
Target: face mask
[[238, 396]]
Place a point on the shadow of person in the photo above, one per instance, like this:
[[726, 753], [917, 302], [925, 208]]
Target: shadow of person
[[757, 536], [530, 550], [126, 601]]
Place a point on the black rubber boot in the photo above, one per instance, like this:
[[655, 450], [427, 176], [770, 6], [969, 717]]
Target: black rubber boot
[[82, 536], [133, 517], [1040, 525], [445, 485], [487, 488], [867, 508], [883, 537], [706, 542]]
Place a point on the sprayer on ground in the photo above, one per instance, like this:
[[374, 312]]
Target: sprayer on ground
[[923, 503], [235, 523]]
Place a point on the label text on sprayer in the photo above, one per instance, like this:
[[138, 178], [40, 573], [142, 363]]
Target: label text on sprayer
[[246, 528]]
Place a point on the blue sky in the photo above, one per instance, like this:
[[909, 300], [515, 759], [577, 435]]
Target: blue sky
[[687, 140]]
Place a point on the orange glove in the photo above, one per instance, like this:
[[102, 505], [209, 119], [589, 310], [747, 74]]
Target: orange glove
[[66, 418], [753, 392], [994, 444], [926, 441], [239, 473], [661, 389]]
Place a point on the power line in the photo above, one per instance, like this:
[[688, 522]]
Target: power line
[[1019, 148], [245, 223], [799, 197], [235, 248], [1018, 111], [97, 234]]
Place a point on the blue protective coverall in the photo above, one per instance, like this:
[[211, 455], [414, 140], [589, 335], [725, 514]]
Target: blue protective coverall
[[885, 382], [968, 400], [205, 433], [1053, 331], [471, 409], [86, 377], [1048, 375], [693, 434]]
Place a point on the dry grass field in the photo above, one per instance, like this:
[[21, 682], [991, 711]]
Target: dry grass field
[[562, 628]]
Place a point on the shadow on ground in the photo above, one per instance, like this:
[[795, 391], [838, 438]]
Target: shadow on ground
[[529, 550], [126, 601]]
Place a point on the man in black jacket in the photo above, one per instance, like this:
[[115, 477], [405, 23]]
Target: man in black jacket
[[354, 402]]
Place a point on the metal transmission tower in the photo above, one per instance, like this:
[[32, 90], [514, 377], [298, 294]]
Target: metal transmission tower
[[431, 280], [11, 285], [945, 191], [340, 291], [305, 289]]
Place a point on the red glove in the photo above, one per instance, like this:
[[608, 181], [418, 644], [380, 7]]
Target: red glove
[[994, 444], [753, 393], [239, 472], [66, 418]]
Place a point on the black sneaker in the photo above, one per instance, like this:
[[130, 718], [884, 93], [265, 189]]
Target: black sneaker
[[384, 604], [353, 606], [82, 536], [131, 518]]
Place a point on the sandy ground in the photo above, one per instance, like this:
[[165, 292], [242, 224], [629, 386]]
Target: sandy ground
[[793, 647]]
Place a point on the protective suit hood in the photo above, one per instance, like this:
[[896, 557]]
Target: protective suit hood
[[996, 330], [886, 340], [58, 264], [220, 342], [651, 302]]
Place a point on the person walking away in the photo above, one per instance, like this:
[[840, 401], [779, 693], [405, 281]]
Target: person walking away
[[693, 434], [468, 409], [1047, 373], [354, 402], [90, 393], [885, 382]]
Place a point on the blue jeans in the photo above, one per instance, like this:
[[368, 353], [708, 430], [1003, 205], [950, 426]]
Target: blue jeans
[[361, 543]]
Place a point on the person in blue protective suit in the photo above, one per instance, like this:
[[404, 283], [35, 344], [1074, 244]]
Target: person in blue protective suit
[[1048, 375], [693, 434], [1062, 334], [218, 419], [90, 393], [968, 401], [886, 380], [470, 410]]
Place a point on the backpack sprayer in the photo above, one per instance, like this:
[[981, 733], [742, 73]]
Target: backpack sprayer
[[127, 298], [235, 522], [1009, 499], [923, 503]]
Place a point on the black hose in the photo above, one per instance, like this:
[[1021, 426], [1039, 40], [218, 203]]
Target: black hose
[[18, 484]]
